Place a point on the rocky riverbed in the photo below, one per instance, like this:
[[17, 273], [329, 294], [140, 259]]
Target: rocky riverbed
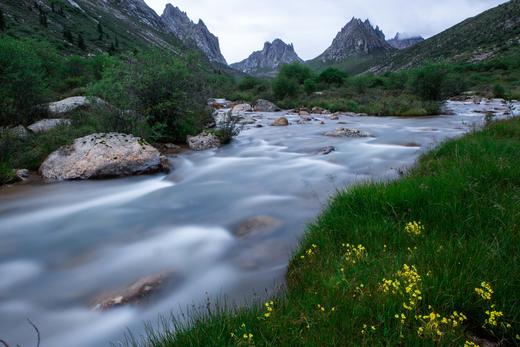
[[86, 259]]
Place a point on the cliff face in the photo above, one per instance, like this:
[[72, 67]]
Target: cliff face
[[197, 35], [269, 60], [402, 41], [356, 38]]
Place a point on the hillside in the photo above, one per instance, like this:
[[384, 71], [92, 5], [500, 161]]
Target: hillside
[[492, 33]]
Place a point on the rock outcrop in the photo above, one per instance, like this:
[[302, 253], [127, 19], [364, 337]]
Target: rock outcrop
[[203, 141], [269, 60], [357, 38], [45, 125], [197, 35], [402, 41], [71, 104], [103, 156]]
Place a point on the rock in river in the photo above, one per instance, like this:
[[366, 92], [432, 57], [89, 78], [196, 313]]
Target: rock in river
[[102, 156], [203, 141], [346, 132], [241, 108], [281, 122], [262, 105], [258, 224]]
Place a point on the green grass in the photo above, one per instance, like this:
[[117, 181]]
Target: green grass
[[466, 194]]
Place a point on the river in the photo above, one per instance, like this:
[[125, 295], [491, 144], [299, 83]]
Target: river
[[64, 244]]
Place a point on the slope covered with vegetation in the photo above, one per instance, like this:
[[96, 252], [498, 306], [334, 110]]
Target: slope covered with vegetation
[[429, 260]]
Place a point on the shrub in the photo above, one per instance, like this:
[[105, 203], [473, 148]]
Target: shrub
[[332, 76], [499, 91], [284, 87], [310, 86], [428, 82]]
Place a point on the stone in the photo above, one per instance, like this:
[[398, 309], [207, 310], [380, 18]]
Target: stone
[[241, 108], [346, 132], [334, 117], [71, 104], [203, 141], [45, 125], [22, 174], [133, 294], [255, 225], [304, 113], [327, 150], [246, 120], [281, 122], [102, 156], [18, 131], [262, 105]]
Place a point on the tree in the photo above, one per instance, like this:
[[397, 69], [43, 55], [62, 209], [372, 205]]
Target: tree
[[333, 76], [81, 42], [67, 35], [428, 82], [2, 21], [100, 32]]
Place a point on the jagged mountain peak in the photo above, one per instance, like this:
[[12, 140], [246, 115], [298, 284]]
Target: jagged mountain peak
[[357, 37], [269, 60], [403, 40], [198, 35]]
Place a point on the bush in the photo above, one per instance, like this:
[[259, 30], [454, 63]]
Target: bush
[[333, 76], [284, 87], [310, 86], [499, 91], [428, 82]]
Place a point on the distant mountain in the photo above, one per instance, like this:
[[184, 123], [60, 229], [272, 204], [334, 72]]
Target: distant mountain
[[357, 38], [402, 41], [268, 61], [486, 35], [178, 23]]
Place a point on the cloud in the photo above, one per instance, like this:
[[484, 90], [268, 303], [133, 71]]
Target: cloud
[[243, 26]]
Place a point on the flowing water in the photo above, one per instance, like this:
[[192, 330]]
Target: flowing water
[[64, 244]]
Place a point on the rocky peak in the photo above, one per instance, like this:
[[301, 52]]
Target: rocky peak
[[356, 38], [402, 41], [269, 60], [178, 23]]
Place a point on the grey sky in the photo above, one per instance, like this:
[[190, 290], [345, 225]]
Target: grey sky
[[243, 26]]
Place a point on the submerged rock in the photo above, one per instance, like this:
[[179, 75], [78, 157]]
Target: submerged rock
[[203, 141], [133, 294], [101, 156], [327, 150], [46, 125], [259, 224], [262, 105], [346, 132], [281, 122]]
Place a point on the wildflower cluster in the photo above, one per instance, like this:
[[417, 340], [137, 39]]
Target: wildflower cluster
[[269, 309], [494, 318], [323, 309], [407, 283], [470, 344], [434, 325], [354, 253], [366, 329], [310, 252], [243, 336], [414, 228]]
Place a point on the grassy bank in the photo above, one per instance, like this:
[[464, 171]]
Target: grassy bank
[[366, 276]]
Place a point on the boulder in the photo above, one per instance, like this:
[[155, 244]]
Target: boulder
[[304, 113], [17, 131], [241, 108], [317, 110], [246, 120], [71, 104], [262, 105], [203, 141], [281, 122], [45, 125], [346, 132], [102, 156], [334, 116], [133, 294], [22, 174], [258, 224], [327, 150], [219, 103]]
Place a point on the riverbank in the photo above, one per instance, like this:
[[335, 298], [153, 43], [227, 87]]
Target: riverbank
[[364, 276]]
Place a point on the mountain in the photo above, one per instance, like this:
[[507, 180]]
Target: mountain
[[268, 61], [178, 23], [489, 34], [357, 38], [402, 41]]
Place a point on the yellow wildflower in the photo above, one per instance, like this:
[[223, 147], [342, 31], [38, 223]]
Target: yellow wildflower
[[414, 228]]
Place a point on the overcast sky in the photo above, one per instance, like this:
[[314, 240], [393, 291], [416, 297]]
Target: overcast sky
[[244, 25]]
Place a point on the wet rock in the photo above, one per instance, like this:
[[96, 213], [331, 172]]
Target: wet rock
[[71, 104], [304, 113], [334, 117], [346, 132], [246, 120], [281, 122], [102, 156], [241, 108], [135, 293], [327, 150], [218, 104], [262, 105], [319, 110], [255, 225], [46, 125], [22, 174], [203, 141], [259, 126]]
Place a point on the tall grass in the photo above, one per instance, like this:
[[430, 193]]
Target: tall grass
[[466, 197]]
